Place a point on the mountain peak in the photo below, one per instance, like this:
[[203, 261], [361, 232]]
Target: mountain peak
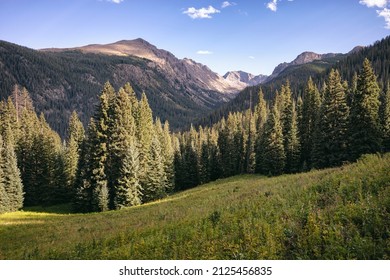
[[303, 58], [356, 49], [242, 77], [138, 42]]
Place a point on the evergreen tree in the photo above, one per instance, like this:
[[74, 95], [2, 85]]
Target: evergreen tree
[[365, 136], [167, 154], [385, 118], [261, 119], [123, 181], [310, 108], [224, 144], [72, 150], [10, 176], [154, 183], [4, 199], [83, 190], [330, 140], [274, 157], [204, 165], [144, 133], [128, 190], [99, 152], [293, 147], [250, 155]]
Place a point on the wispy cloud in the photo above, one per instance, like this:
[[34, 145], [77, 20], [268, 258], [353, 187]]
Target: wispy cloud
[[115, 1], [226, 4], [204, 52], [385, 13], [202, 12], [374, 3], [273, 5], [251, 57]]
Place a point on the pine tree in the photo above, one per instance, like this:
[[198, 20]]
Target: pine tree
[[204, 165], [11, 180], [261, 119], [4, 199], [123, 181], [167, 152], [330, 140], [46, 147], [385, 118], [154, 183], [144, 133], [293, 147], [274, 157], [82, 201], [128, 190], [99, 151], [250, 145], [365, 136], [224, 144], [72, 150], [310, 108]]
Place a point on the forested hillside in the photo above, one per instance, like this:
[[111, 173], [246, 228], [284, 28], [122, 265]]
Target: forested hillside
[[62, 82], [348, 65]]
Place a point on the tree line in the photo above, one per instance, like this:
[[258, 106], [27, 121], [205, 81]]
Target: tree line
[[328, 125], [125, 158]]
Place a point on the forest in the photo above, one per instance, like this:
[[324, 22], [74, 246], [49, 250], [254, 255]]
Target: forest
[[125, 157]]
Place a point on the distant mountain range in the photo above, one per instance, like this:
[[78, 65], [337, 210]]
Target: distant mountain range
[[179, 90]]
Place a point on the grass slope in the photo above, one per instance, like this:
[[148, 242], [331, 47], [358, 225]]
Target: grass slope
[[340, 213]]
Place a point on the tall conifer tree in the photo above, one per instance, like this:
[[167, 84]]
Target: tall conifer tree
[[310, 108], [365, 136], [330, 141], [274, 155], [385, 118]]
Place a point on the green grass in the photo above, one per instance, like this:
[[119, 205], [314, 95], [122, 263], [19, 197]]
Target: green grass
[[340, 213]]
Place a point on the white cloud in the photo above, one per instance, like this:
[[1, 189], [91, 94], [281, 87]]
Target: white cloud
[[201, 13], [251, 57], [273, 5], [374, 3], [385, 13], [226, 4], [204, 52], [116, 1]]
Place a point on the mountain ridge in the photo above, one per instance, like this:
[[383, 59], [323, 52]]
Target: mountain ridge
[[172, 65]]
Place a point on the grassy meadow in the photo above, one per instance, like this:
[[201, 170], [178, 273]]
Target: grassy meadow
[[340, 213]]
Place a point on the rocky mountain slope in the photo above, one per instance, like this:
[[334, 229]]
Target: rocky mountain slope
[[303, 58], [185, 70], [241, 77]]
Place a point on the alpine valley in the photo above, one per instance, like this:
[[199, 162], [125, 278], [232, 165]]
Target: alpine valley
[[179, 90], [124, 151]]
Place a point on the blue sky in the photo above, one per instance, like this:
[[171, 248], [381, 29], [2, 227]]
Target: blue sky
[[251, 35]]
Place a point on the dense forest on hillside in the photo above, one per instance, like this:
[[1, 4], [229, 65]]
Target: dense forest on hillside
[[126, 158], [62, 82], [318, 70]]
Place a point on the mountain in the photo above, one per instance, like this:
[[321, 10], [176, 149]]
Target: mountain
[[303, 58], [63, 80], [298, 74], [185, 70], [247, 79]]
